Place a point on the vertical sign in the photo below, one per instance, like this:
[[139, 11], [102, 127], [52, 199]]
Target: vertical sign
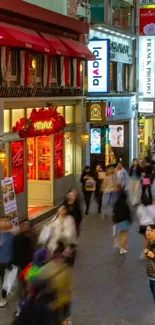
[[147, 21], [99, 69], [18, 166], [147, 66], [58, 155], [9, 199]]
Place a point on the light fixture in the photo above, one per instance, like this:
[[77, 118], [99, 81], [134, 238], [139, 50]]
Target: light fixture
[[2, 152], [85, 137], [81, 67], [33, 63]]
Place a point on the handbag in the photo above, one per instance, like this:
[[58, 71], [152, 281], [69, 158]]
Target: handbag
[[146, 181], [9, 279]]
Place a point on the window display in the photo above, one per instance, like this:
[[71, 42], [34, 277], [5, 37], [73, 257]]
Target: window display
[[69, 114], [17, 114], [58, 155], [44, 158], [116, 136], [5, 162], [31, 147], [95, 141], [6, 120], [69, 149]]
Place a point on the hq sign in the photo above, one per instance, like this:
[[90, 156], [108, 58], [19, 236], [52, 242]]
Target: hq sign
[[99, 69]]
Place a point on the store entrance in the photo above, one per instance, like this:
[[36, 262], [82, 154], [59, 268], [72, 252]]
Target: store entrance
[[40, 178]]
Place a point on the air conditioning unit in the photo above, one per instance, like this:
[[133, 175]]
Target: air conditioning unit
[[83, 10]]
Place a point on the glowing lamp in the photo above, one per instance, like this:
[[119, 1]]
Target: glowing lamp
[[85, 137], [33, 63], [2, 155]]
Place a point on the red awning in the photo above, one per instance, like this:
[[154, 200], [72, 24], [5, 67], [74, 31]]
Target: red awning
[[77, 49], [21, 37], [56, 46]]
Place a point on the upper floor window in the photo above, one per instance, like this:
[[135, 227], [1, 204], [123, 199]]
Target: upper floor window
[[13, 64], [53, 72]]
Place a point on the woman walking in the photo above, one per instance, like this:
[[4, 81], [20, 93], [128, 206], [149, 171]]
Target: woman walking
[[135, 177], [147, 179], [122, 219], [72, 204], [99, 177], [109, 189], [122, 176], [88, 186]]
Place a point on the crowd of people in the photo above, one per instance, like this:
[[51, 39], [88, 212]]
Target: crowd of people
[[43, 268]]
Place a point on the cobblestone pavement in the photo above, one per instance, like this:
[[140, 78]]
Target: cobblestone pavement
[[110, 289]]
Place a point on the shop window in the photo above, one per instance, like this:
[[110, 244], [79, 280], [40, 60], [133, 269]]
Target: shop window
[[69, 151], [13, 63], [58, 155], [5, 162], [44, 158], [69, 114], [60, 110], [58, 65], [17, 114], [6, 120], [31, 147]]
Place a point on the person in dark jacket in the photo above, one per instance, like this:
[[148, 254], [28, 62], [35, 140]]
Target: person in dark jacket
[[122, 219], [147, 179], [72, 203], [99, 180], [150, 255], [88, 186], [135, 173]]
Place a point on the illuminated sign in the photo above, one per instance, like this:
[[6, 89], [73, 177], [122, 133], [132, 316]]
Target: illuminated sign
[[99, 69], [145, 107], [147, 66], [47, 125], [110, 111]]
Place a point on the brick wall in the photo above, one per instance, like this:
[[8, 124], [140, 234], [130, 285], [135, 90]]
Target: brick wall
[[72, 8]]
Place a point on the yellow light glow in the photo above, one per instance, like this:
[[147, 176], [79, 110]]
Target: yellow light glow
[[81, 67], [85, 137], [33, 63], [43, 125], [2, 155], [148, 6]]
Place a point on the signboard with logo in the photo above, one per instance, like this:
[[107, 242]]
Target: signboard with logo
[[99, 69], [145, 107], [121, 48], [120, 108], [147, 66], [96, 111], [147, 21], [146, 2]]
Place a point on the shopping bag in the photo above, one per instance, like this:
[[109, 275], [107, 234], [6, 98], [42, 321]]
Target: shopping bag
[[10, 279], [45, 235]]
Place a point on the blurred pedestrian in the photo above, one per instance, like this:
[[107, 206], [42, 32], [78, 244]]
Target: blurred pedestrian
[[135, 173], [147, 179], [122, 219], [72, 203], [6, 253], [88, 186], [122, 176], [150, 255], [99, 177], [110, 191]]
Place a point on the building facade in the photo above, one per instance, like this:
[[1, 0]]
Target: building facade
[[41, 68]]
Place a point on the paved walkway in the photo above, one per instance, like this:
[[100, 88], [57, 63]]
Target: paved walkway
[[110, 289]]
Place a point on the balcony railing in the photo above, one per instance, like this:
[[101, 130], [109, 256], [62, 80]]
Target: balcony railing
[[13, 92]]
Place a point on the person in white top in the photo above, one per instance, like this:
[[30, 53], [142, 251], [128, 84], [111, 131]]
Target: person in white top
[[146, 217]]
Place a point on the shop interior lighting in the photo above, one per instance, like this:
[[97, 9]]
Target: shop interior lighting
[[85, 137], [2, 152], [106, 30]]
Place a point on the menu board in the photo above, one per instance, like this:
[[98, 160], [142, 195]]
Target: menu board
[[9, 199], [58, 155], [18, 166]]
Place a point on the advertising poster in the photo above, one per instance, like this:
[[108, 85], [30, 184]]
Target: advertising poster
[[58, 155], [116, 136], [147, 21], [18, 166], [9, 199], [95, 141]]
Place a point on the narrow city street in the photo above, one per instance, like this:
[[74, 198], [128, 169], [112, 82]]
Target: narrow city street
[[110, 289]]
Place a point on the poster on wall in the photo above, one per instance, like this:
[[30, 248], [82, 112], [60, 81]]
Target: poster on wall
[[9, 199], [58, 155], [18, 166], [95, 141], [116, 136], [147, 21]]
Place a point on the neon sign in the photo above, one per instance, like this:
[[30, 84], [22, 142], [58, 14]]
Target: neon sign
[[46, 125]]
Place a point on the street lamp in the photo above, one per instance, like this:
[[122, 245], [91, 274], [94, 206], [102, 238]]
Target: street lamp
[[85, 137]]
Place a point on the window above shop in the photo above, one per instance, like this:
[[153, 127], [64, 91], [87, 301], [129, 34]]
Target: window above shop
[[6, 121], [69, 114], [69, 150], [122, 14], [17, 114]]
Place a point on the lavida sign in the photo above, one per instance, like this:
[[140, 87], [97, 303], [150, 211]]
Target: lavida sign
[[147, 66], [40, 126], [99, 69]]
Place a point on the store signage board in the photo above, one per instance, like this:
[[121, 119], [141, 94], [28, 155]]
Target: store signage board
[[9, 199], [95, 141], [146, 2], [99, 69], [96, 111], [147, 66], [121, 48], [147, 21], [145, 107]]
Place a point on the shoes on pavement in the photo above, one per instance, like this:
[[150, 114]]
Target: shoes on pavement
[[123, 251], [3, 302]]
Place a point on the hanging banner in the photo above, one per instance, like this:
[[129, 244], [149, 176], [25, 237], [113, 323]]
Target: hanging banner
[[147, 66], [18, 166], [147, 21], [9, 199]]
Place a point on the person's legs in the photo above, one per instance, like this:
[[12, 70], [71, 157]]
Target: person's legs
[[88, 195], [100, 202], [150, 194], [123, 241], [152, 287], [3, 301]]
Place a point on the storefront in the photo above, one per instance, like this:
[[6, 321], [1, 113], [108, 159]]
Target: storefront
[[110, 123], [42, 164], [146, 124]]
